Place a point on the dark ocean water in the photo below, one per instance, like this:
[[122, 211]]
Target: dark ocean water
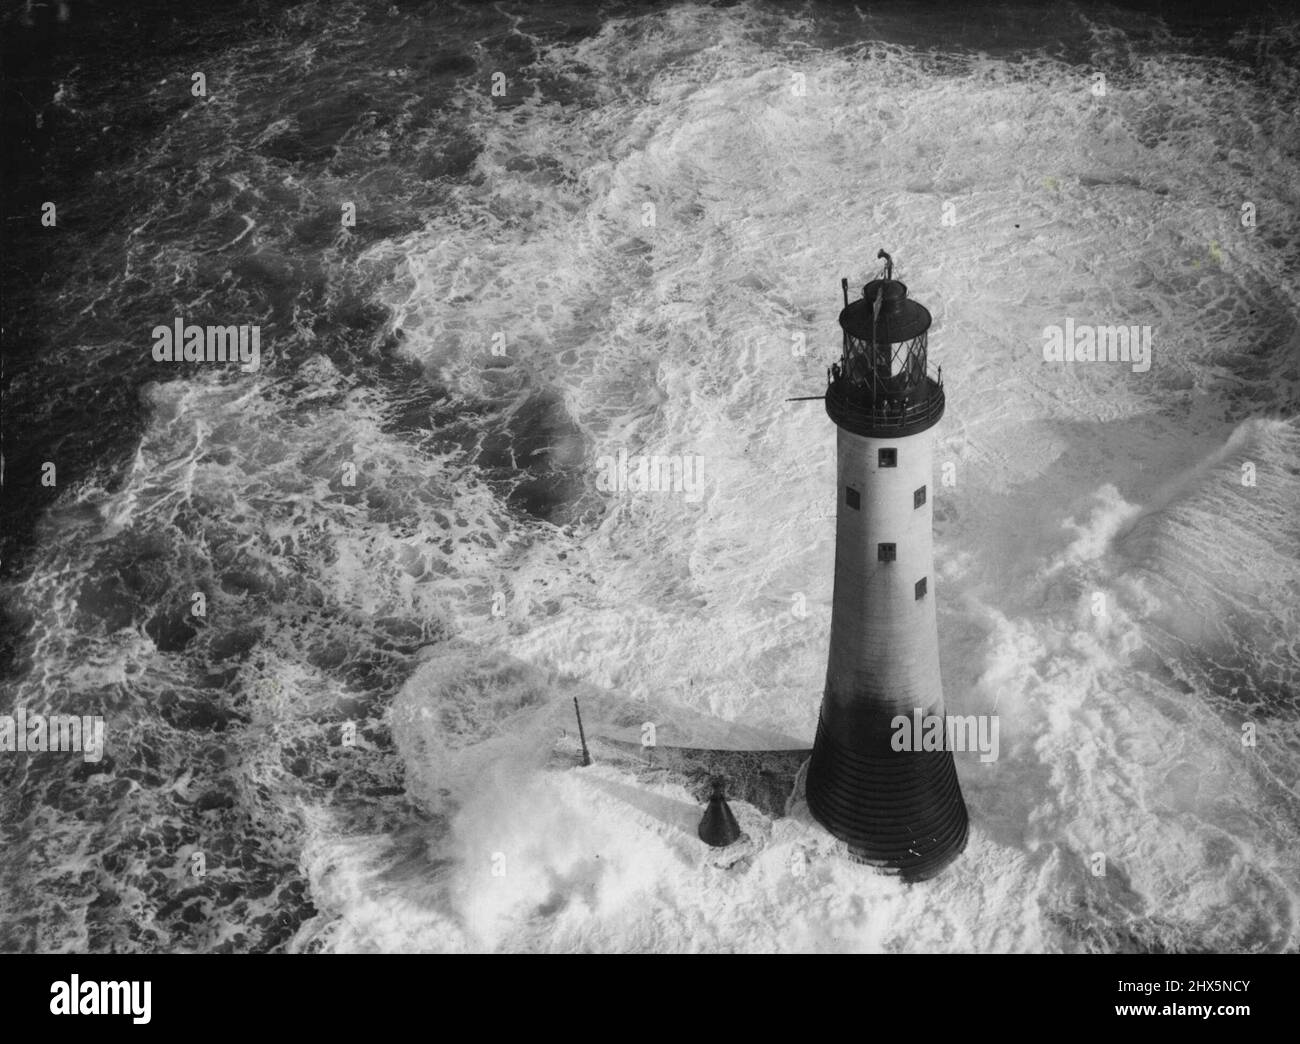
[[358, 512]]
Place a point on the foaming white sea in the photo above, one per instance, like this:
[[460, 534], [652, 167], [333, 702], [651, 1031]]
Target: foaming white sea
[[1071, 483]]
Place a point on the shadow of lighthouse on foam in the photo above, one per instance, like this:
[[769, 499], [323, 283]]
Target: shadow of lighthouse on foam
[[900, 811]]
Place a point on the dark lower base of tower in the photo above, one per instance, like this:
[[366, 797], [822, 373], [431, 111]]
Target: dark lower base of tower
[[899, 811]]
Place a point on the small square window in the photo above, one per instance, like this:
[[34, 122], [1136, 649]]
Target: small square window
[[853, 498], [885, 552], [920, 588], [888, 458], [918, 498]]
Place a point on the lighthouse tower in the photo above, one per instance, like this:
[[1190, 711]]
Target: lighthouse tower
[[900, 810]]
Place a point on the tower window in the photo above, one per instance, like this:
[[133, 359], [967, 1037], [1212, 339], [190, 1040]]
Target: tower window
[[888, 458], [853, 498], [920, 588], [918, 498], [885, 552]]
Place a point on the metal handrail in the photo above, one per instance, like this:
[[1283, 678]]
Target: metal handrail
[[927, 410]]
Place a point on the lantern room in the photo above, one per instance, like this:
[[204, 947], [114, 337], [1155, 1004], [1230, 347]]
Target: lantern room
[[881, 386]]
